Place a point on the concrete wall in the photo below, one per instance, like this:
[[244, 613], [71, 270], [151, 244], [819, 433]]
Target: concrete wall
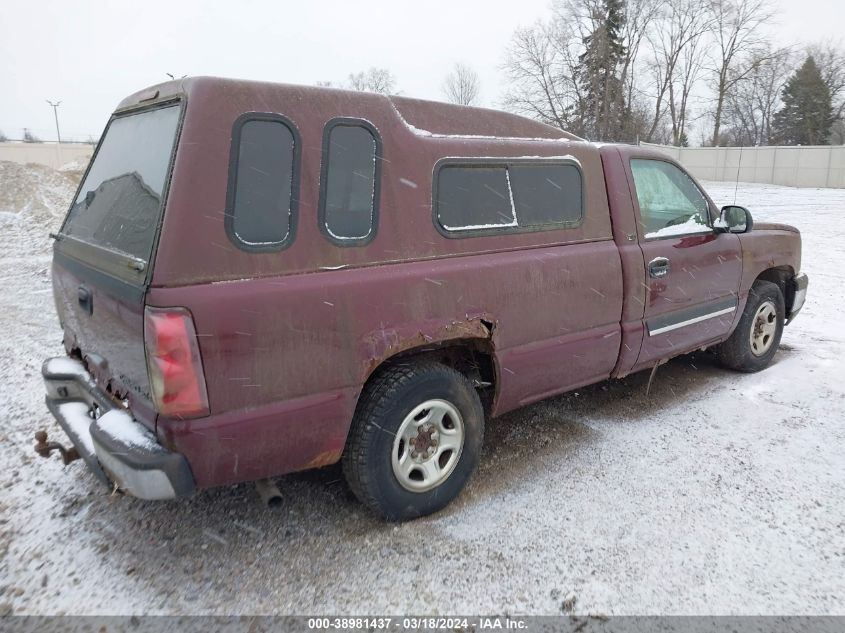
[[810, 166], [51, 154]]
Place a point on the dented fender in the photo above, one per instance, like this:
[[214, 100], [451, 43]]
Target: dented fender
[[384, 343]]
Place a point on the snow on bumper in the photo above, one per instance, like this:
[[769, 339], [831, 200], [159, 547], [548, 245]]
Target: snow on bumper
[[115, 447]]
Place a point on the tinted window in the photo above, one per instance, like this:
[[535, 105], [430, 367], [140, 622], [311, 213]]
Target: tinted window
[[509, 195], [349, 196], [119, 203], [546, 194], [261, 198], [474, 198], [670, 203]]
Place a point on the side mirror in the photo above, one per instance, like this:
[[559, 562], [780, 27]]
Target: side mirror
[[734, 219]]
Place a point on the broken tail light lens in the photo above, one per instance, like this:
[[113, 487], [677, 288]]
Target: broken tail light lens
[[174, 365]]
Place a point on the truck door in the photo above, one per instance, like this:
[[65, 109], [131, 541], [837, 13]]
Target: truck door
[[692, 272]]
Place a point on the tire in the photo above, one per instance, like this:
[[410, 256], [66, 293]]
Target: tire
[[395, 416], [756, 338]]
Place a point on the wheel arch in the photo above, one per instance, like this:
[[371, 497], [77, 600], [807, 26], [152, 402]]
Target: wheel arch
[[474, 357], [780, 276]]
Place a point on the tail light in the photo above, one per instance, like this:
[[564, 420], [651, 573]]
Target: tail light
[[177, 380]]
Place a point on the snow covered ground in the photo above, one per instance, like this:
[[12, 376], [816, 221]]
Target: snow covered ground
[[718, 493]]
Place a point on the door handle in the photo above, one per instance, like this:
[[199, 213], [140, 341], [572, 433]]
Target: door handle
[[658, 267], [86, 299]]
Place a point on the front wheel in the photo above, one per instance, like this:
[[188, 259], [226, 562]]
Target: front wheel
[[757, 336], [415, 439]]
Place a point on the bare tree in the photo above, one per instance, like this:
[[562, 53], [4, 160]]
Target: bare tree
[[540, 68], [379, 80], [546, 76], [677, 51], [685, 77], [736, 30], [830, 58], [29, 137], [462, 85], [641, 14], [751, 105], [3, 137], [601, 64], [837, 132]]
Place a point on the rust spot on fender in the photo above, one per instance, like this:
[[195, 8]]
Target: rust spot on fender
[[325, 458], [382, 344]]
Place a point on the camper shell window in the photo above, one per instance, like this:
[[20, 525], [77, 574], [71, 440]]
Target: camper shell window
[[263, 182], [477, 198], [349, 182], [119, 203]]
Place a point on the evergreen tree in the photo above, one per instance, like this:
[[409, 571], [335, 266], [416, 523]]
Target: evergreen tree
[[807, 113], [604, 112]]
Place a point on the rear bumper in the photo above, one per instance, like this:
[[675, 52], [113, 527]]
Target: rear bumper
[[799, 289], [116, 448]]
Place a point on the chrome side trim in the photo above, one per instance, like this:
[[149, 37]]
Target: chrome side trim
[[680, 324]]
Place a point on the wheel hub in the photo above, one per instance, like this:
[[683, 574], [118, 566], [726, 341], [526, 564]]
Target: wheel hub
[[427, 445], [424, 443], [764, 328]]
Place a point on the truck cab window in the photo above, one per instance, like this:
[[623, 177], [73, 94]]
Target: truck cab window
[[670, 203]]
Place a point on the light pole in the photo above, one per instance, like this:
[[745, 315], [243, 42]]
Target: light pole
[[55, 107]]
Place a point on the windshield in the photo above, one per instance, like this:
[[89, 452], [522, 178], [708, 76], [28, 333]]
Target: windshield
[[119, 203]]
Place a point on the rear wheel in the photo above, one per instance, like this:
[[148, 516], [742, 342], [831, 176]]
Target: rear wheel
[[757, 336], [415, 439]]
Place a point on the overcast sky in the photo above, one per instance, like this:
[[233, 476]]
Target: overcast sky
[[91, 54]]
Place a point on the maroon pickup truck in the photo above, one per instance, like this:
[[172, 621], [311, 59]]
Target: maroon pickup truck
[[255, 279]]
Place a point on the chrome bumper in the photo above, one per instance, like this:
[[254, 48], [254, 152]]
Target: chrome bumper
[[799, 288], [116, 448]]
